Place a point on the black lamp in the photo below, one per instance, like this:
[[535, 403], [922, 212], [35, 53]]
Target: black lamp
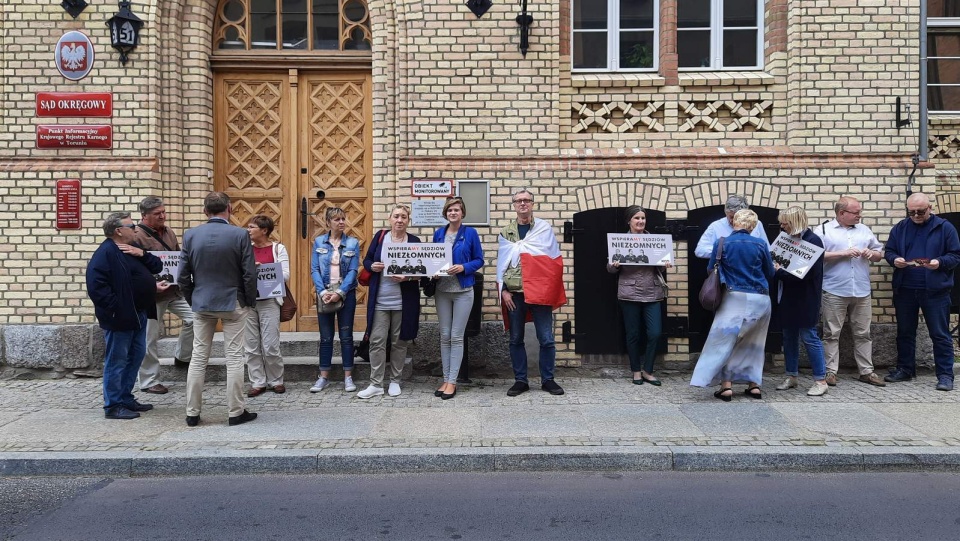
[[124, 30], [74, 7], [524, 20]]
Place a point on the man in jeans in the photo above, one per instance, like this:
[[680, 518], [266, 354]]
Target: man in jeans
[[849, 248], [925, 250], [218, 277], [154, 236], [532, 242]]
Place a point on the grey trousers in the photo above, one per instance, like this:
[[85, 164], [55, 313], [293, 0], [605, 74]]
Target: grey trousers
[[205, 324], [453, 310], [262, 345], [386, 330], [150, 369]]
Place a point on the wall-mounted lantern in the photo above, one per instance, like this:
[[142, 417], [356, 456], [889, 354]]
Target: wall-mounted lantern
[[524, 20], [73, 7], [124, 30]]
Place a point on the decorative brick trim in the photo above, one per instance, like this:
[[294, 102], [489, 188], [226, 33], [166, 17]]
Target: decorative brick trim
[[948, 201], [725, 115], [621, 194], [706, 194], [618, 116]]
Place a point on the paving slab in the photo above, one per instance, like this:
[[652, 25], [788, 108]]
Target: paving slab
[[746, 419], [933, 420], [647, 420], [429, 422], [534, 421], [852, 420]]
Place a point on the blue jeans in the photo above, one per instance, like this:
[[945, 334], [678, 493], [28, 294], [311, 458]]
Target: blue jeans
[[121, 362], [543, 323], [345, 318], [639, 319], [907, 304], [813, 345]]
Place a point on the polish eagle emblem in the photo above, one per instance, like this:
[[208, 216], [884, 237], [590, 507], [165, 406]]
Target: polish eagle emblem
[[73, 56]]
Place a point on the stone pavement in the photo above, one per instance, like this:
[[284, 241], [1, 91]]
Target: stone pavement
[[57, 428]]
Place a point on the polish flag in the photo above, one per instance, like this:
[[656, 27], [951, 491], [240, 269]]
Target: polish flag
[[538, 254]]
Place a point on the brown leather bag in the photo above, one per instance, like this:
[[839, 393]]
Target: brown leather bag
[[289, 307], [711, 292]]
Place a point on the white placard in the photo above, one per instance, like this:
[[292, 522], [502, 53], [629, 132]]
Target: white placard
[[270, 281], [171, 267], [431, 188], [415, 259], [428, 212], [639, 249], [794, 255]]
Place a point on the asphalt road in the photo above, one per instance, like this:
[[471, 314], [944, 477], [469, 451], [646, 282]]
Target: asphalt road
[[602, 506]]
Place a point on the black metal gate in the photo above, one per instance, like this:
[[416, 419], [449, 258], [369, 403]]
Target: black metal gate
[[698, 319], [598, 323]]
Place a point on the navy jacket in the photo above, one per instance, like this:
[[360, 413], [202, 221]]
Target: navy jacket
[[409, 291], [467, 251], [800, 301], [942, 245], [121, 286]]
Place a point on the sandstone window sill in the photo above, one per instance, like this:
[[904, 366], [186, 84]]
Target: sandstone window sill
[[726, 78], [616, 80]]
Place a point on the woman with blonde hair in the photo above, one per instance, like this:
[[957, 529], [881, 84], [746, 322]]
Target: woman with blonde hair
[[734, 350], [799, 300]]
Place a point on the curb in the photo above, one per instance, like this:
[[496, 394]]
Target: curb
[[480, 460]]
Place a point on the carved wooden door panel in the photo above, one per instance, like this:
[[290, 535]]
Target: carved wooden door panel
[[335, 146]]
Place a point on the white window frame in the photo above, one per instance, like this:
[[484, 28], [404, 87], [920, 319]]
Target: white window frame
[[716, 38], [613, 40], [941, 23]]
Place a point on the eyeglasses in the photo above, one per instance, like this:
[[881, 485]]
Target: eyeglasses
[[857, 213], [131, 226], [920, 212], [522, 201]]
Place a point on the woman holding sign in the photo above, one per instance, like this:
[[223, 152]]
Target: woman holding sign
[[799, 300], [262, 329], [334, 266], [641, 291], [393, 313], [455, 291]]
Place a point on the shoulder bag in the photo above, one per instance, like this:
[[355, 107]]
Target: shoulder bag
[[289, 307], [711, 292]]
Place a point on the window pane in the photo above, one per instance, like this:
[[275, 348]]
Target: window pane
[[943, 98], [693, 49], [636, 13], [234, 11], [943, 8], [325, 7], [263, 30], [943, 72], [293, 6], [231, 39], [739, 48], [693, 14], [294, 30], [590, 14], [326, 31], [356, 41], [589, 50], [263, 6], [943, 44], [354, 11], [636, 50], [739, 12]]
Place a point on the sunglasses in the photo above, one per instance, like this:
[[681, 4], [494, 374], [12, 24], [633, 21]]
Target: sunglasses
[[131, 226], [917, 212]]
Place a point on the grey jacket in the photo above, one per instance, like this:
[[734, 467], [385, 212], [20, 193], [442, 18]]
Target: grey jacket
[[638, 283], [217, 267]]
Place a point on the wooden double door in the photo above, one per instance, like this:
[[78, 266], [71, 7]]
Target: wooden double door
[[290, 144]]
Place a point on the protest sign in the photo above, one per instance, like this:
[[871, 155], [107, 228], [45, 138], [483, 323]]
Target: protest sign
[[794, 255], [639, 249], [270, 281], [415, 259], [171, 267]]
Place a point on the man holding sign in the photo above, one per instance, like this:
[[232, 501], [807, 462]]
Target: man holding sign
[[153, 235]]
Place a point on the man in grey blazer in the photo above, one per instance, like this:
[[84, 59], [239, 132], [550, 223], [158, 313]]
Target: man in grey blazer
[[218, 277]]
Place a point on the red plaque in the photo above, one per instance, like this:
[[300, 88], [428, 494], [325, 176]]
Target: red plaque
[[75, 104], [68, 204], [74, 136]]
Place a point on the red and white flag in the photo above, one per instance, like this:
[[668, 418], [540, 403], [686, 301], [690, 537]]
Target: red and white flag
[[538, 254]]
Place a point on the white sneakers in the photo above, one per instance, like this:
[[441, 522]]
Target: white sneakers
[[320, 385], [818, 389], [394, 389], [348, 384], [370, 392], [788, 383]]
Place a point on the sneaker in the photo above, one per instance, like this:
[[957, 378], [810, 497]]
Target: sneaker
[[320, 385], [873, 379], [348, 384], [394, 389], [551, 387], [944, 383], [897, 376], [788, 383], [370, 392], [831, 379], [518, 388], [818, 389], [120, 412]]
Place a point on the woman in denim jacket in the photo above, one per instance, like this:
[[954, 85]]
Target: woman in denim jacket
[[454, 296], [334, 266], [641, 290], [734, 350]]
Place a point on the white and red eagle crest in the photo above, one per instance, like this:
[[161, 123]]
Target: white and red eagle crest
[[73, 56]]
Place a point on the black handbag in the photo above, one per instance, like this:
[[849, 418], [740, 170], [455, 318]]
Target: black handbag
[[362, 348], [711, 292]]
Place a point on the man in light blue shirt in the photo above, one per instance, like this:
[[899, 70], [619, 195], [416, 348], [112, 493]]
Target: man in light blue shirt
[[724, 226]]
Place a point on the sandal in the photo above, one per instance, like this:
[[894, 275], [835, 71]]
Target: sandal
[[725, 397], [749, 392]]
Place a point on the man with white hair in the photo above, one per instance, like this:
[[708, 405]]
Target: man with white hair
[[723, 227]]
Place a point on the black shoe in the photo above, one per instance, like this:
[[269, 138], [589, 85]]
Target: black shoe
[[446, 396], [518, 388], [137, 406], [120, 412], [438, 393], [180, 364], [551, 387], [193, 420], [898, 376], [244, 417]]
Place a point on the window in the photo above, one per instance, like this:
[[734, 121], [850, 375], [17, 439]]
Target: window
[[314, 25], [615, 35], [720, 34], [943, 56]]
